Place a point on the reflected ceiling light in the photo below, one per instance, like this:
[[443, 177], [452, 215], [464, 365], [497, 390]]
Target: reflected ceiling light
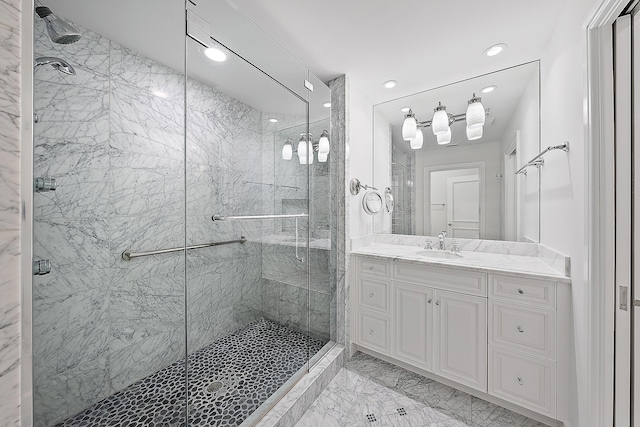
[[475, 113], [409, 126], [495, 49], [444, 138], [160, 94], [347, 151], [273, 120], [473, 134], [440, 121], [326, 105], [405, 109], [287, 150], [215, 54], [390, 84], [416, 143], [489, 89]]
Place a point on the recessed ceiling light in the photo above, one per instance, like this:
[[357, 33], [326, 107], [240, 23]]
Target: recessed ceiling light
[[405, 109], [326, 105], [273, 120], [489, 89], [390, 84], [215, 54], [495, 49]]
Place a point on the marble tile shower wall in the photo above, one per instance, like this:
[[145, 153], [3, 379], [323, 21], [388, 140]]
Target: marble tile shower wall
[[284, 289], [10, 224], [117, 151]]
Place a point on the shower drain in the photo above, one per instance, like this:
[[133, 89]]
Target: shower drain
[[215, 387]]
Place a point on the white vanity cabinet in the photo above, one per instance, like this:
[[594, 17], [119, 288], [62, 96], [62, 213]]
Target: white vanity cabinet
[[489, 332]]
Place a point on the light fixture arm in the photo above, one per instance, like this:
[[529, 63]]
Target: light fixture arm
[[452, 118]]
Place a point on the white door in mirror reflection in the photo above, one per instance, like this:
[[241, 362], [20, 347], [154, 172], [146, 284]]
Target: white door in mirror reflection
[[455, 203]]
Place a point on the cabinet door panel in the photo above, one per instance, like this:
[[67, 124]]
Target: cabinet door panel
[[412, 318], [460, 338]]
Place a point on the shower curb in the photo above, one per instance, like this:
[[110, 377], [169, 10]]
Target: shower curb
[[299, 399]]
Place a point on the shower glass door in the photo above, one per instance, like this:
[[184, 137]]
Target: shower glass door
[[248, 298]]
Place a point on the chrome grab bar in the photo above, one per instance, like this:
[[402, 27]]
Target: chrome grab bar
[[128, 255], [250, 217]]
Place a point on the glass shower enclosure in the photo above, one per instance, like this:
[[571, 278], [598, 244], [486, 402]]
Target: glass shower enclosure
[[181, 228]]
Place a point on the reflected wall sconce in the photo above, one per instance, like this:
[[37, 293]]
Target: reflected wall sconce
[[441, 122], [306, 148]]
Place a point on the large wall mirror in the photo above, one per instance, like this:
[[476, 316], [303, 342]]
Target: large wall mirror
[[464, 180]]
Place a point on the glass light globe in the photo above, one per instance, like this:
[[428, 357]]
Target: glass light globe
[[323, 145], [416, 143], [347, 151], [440, 120], [473, 134], [287, 151], [445, 138], [310, 153], [322, 157], [475, 113], [302, 151], [409, 126]]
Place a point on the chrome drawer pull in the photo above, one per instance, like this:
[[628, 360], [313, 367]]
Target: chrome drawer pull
[[520, 381], [520, 291], [520, 329]]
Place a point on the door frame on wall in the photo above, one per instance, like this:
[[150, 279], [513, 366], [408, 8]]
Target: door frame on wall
[[599, 204]]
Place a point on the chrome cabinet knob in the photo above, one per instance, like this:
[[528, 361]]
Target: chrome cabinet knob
[[520, 291], [437, 302], [429, 301], [520, 329], [371, 295], [520, 381], [371, 332], [371, 268]]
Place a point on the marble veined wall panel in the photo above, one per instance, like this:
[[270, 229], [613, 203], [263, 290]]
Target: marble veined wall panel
[[10, 213]]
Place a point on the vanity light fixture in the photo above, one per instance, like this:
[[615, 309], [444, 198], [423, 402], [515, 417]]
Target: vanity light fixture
[[476, 113], [215, 54], [323, 143], [409, 126], [473, 134], [495, 49], [489, 89], [287, 150], [444, 138], [440, 121], [305, 150], [416, 143], [389, 84]]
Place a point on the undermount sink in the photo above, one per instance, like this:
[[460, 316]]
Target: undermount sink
[[439, 254]]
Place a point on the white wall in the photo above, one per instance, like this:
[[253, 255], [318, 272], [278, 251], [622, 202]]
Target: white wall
[[490, 154], [382, 167], [526, 121], [360, 138], [563, 183]]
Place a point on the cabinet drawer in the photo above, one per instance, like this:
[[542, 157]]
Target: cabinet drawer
[[373, 266], [525, 291], [525, 328], [373, 294], [524, 380], [469, 282], [373, 331]]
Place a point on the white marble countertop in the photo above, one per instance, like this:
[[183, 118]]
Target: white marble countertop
[[513, 265]]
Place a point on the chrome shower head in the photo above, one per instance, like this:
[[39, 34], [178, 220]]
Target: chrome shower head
[[60, 31], [57, 63]]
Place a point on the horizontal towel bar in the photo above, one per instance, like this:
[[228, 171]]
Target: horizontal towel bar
[[128, 255], [537, 161], [249, 217]]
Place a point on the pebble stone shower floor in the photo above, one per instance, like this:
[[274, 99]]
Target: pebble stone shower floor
[[228, 381]]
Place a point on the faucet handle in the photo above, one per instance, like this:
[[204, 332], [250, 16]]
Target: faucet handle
[[444, 233], [454, 246], [427, 245]]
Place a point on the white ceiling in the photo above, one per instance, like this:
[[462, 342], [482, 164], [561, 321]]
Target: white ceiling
[[420, 43]]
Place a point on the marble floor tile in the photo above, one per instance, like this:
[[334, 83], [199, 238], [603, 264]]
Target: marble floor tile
[[369, 392]]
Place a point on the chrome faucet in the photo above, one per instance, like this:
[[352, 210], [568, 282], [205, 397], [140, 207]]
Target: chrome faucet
[[441, 237]]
